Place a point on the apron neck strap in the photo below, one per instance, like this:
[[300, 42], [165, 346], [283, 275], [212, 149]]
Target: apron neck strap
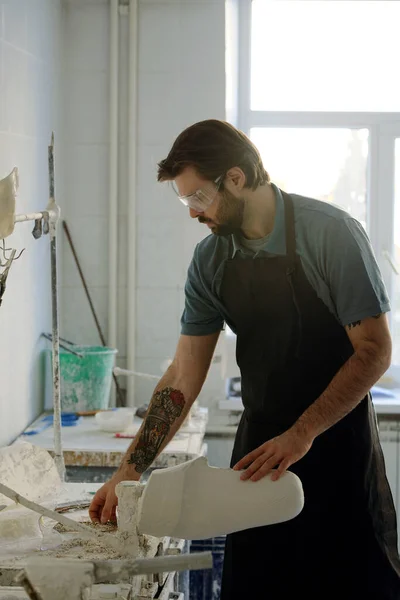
[[289, 227]]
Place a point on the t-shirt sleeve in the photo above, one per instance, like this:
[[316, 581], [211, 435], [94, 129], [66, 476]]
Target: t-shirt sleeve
[[200, 316], [355, 281]]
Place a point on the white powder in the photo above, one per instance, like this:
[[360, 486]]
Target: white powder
[[89, 549]]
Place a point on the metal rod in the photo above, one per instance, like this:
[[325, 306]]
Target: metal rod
[[132, 200], [113, 174], [28, 217], [102, 338], [63, 346], [54, 214], [118, 570], [118, 371]]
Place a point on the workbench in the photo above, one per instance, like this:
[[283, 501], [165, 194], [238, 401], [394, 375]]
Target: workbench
[[90, 456], [86, 445]]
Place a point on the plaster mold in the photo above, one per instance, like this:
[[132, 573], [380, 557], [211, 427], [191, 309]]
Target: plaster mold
[[196, 501]]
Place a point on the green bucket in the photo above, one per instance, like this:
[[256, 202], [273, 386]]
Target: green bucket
[[86, 379]]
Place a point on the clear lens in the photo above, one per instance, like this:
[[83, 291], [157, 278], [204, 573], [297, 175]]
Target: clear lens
[[201, 199]]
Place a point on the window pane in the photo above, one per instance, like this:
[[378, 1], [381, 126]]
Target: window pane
[[325, 55], [395, 300], [327, 164]]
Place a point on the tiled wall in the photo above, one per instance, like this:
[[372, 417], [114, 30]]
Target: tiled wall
[[181, 80], [29, 80]]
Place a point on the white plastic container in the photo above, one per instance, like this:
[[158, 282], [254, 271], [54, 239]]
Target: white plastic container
[[114, 421]]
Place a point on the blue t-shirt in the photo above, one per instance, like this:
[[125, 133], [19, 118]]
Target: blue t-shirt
[[335, 253]]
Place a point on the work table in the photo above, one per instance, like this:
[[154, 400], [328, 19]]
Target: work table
[[87, 448], [86, 445]]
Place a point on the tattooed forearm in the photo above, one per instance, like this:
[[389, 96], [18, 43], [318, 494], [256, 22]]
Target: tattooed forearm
[[166, 406], [355, 323]]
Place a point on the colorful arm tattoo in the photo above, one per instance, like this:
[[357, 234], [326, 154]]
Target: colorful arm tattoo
[[166, 406]]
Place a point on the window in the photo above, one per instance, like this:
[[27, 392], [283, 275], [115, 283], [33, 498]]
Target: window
[[325, 55], [318, 94], [328, 164]]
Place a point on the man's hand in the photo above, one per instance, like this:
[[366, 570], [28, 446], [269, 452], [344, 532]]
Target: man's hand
[[281, 452], [103, 506]]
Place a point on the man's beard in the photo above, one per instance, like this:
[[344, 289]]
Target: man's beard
[[229, 215]]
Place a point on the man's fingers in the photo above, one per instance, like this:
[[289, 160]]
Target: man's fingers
[[249, 458], [109, 506], [266, 467], [251, 469], [257, 464], [95, 508], [285, 464]]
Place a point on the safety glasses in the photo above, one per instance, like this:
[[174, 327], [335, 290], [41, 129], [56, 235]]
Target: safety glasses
[[201, 199]]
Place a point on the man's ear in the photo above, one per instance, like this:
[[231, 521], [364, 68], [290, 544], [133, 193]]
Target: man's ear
[[237, 178]]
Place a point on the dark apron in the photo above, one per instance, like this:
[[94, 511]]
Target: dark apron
[[343, 545]]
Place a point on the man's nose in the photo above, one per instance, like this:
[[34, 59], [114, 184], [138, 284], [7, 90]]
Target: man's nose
[[194, 213]]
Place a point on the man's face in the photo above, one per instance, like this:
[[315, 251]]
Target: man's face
[[224, 215]]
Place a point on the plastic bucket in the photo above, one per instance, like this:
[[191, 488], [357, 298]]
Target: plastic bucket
[[85, 380]]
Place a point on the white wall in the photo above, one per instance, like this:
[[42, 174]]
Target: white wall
[[181, 80], [29, 79]]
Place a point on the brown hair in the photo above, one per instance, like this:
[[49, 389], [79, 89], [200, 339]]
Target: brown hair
[[213, 147]]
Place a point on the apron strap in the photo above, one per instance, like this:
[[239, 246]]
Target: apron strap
[[230, 248], [289, 228], [291, 256]]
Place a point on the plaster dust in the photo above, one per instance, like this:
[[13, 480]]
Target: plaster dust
[[30, 471], [88, 549]]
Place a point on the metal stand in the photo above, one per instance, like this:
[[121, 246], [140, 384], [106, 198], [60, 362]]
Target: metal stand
[[71, 579], [46, 222]]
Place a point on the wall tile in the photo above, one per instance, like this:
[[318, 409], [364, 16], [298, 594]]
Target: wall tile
[[205, 99], [155, 198], [77, 322], [3, 121], [160, 106], [87, 31], [202, 21], [86, 110], [15, 72], [160, 28], [144, 388], [157, 316], [27, 117], [87, 184], [89, 235], [15, 23], [160, 246], [39, 30]]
